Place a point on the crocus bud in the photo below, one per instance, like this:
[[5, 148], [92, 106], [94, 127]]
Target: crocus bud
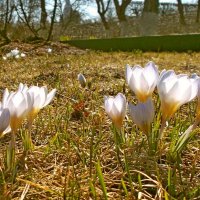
[[142, 81], [115, 107], [142, 114], [82, 80]]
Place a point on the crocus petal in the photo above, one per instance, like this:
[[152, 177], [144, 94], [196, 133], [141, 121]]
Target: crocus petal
[[17, 105], [134, 81], [50, 97], [142, 91], [120, 102], [38, 95], [151, 75], [43, 95], [4, 119], [194, 88], [108, 103], [7, 130], [30, 101], [5, 97], [128, 73]]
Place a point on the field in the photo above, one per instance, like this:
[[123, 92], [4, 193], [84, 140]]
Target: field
[[77, 153]]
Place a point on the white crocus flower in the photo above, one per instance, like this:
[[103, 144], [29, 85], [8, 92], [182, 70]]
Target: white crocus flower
[[4, 58], [40, 98], [15, 52], [18, 104], [82, 80], [49, 50], [142, 81], [174, 91], [9, 55], [4, 121], [23, 55], [142, 114], [115, 107]]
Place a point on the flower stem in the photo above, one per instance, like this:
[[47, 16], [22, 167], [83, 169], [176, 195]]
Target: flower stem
[[11, 152], [161, 130]]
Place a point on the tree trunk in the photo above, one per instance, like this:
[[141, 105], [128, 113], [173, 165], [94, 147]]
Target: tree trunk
[[181, 13], [121, 14], [104, 21], [30, 10], [198, 12], [149, 19], [52, 20], [151, 6], [43, 17]]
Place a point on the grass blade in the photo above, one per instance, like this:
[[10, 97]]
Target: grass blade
[[101, 180]]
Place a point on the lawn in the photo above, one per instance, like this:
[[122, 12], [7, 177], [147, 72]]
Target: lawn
[[76, 153]]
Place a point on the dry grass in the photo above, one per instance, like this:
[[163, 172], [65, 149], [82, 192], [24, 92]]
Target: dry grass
[[73, 133]]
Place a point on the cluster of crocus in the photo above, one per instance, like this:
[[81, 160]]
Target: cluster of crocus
[[174, 91], [15, 53], [25, 102], [15, 107]]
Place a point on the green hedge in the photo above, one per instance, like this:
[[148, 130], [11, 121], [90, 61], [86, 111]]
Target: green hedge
[[177, 43]]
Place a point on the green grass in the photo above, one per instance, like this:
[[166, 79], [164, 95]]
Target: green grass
[[75, 152], [178, 43]]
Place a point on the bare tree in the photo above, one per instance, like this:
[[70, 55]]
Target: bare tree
[[121, 14], [181, 12], [102, 8]]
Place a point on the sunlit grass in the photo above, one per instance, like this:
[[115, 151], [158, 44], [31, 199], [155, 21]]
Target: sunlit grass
[[76, 154]]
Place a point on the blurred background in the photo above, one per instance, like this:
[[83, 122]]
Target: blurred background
[[30, 20]]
